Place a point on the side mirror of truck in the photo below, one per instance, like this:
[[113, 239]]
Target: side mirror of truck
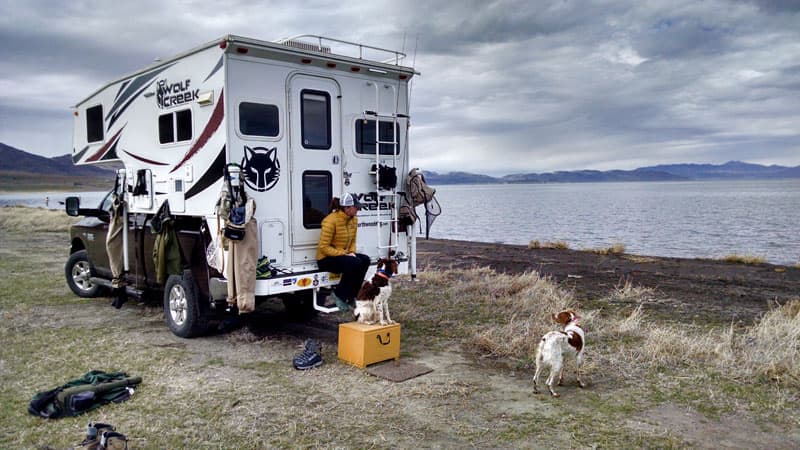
[[73, 207]]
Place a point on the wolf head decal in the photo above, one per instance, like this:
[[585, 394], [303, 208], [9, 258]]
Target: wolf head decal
[[261, 167]]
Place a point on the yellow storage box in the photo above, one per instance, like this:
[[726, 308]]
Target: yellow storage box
[[362, 345]]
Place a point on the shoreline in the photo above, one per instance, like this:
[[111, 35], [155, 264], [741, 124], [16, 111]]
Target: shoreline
[[705, 290]]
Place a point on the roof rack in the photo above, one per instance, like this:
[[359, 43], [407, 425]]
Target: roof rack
[[345, 48]]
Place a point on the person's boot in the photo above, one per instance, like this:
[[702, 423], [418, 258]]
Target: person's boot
[[120, 297], [343, 306]]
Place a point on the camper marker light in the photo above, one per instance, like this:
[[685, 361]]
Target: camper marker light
[[205, 98], [331, 65], [242, 50], [305, 61], [223, 45], [403, 77], [355, 69]]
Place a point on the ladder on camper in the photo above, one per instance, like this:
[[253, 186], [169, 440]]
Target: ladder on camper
[[390, 197]]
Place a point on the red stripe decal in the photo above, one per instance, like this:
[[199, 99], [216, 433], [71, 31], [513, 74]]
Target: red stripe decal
[[149, 161], [105, 148], [208, 131]]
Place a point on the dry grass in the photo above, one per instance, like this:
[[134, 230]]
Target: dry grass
[[627, 292], [559, 245], [28, 220], [744, 259], [515, 312], [240, 391], [616, 249]]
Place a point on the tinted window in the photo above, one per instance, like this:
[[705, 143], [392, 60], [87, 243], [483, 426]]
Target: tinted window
[[183, 120], [315, 110], [256, 119], [166, 129], [316, 197], [175, 124], [94, 124], [365, 136]]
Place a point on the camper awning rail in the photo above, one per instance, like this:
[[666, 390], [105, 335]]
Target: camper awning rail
[[297, 41]]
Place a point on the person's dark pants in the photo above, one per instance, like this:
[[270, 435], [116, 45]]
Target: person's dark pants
[[353, 270]]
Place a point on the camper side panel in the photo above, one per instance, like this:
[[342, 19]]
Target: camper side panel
[[166, 125]]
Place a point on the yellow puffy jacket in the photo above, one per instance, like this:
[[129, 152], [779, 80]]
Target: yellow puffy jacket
[[338, 235]]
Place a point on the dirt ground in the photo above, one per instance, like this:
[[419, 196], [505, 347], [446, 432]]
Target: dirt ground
[[689, 290]]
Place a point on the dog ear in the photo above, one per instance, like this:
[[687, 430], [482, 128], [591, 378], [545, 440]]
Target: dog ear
[[380, 264]]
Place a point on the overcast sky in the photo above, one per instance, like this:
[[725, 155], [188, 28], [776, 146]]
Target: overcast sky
[[506, 86]]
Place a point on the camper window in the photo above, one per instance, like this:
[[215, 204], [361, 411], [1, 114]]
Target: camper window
[[317, 194], [365, 136], [94, 124], [174, 124], [256, 119], [315, 111]]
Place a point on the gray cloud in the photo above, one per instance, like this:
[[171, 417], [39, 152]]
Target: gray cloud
[[507, 86]]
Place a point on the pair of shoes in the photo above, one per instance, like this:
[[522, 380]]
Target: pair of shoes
[[343, 306], [311, 356]]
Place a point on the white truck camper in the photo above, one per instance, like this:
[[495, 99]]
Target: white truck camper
[[307, 118]]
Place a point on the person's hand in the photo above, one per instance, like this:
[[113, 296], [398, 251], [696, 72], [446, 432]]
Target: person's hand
[[351, 254]]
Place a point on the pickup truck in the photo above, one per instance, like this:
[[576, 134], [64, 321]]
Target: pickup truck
[[187, 301]]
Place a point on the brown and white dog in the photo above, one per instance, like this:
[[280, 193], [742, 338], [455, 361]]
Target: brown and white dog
[[372, 301], [555, 344]]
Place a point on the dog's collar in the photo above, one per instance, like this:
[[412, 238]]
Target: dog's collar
[[383, 274]]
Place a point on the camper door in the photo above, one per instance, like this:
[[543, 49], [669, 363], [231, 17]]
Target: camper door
[[316, 155]]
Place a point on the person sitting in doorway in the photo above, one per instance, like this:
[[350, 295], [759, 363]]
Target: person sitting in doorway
[[336, 251]]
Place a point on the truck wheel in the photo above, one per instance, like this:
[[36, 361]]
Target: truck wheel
[[79, 271], [185, 316]]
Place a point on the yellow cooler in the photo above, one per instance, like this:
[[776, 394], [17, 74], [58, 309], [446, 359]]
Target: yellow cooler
[[362, 345]]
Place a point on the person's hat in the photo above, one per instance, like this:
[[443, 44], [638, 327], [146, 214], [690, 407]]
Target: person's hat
[[349, 199]]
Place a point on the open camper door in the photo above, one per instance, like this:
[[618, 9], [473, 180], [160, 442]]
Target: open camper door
[[316, 156]]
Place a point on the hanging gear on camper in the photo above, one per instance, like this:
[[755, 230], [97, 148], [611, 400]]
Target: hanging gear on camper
[[232, 205], [115, 244], [241, 234], [167, 253], [94, 389], [418, 192]]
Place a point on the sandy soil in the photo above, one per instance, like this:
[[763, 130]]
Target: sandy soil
[[689, 290]]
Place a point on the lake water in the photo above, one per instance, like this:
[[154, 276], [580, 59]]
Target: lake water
[[50, 199], [708, 219]]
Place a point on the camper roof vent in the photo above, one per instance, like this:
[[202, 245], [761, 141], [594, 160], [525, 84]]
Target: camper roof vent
[[306, 46]]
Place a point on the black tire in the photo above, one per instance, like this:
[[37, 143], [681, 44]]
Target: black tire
[[300, 305], [184, 314], [78, 271]]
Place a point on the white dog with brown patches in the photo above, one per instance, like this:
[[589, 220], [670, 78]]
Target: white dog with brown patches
[[554, 345]]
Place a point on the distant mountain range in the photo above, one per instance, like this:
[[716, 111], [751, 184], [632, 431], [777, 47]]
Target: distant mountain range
[[731, 170], [14, 160]]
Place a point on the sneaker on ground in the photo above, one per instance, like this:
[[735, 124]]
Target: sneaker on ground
[[311, 356]]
